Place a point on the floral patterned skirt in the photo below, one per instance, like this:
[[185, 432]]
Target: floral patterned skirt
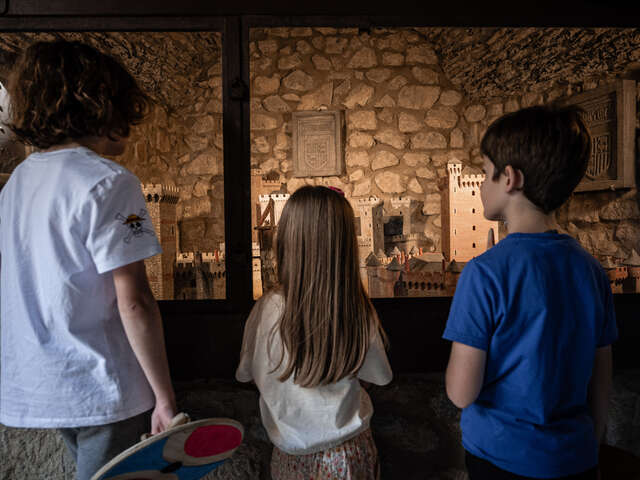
[[355, 459]]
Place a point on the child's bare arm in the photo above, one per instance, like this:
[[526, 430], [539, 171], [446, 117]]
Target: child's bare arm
[[465, 374], [143, 327], [600, 389]]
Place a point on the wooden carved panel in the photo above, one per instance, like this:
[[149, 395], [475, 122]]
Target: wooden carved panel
[[317, 144], [610, 116]]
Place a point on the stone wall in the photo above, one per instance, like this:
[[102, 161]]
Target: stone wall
[[606, 223], [415, 427], [405, 119], [180, 143]]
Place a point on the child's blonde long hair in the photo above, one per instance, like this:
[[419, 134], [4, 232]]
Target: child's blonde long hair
[[328, 320]]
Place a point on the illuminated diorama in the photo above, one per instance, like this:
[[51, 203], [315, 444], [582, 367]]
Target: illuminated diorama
[[391, 116], [413, 110]]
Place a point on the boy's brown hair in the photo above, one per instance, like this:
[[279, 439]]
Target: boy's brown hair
[[549, 144], [328, 320], [68, 90]]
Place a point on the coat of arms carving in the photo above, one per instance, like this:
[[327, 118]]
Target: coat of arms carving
[[610, 114], [317, 144]]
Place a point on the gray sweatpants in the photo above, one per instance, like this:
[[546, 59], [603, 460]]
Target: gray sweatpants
[[92, 447]]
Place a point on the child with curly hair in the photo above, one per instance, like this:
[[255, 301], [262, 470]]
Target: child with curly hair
[[82, 339]]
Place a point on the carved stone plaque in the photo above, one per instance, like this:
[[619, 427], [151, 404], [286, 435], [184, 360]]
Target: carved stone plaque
[[609, 113], [317, 144]]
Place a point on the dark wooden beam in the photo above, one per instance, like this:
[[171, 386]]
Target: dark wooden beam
[[397, 13]]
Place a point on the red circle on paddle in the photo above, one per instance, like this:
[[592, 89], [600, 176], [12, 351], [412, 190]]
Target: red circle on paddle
[[212, 440]]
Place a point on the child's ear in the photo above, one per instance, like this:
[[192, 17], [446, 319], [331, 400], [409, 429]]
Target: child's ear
[[515, 179]]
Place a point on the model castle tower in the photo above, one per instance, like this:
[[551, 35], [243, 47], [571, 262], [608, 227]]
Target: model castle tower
[[161, 204], [464, 228], [371, 238], [262, 183], [632, 282]]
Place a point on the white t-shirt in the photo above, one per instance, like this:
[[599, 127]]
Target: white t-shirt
[[302, 420], [67, 219]]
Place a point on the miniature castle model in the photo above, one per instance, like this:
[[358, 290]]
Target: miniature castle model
[[405, 270], [161, 203], [624, 277], [174, 274], [464, 228]]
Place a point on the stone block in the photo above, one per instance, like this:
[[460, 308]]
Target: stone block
[[263, 122], [361, 140], [394, 41], [425, 75], [363, 58], [268, 47], [386, 115], [378, 75], [260, 145], [475, 113], [356, 175], [274, 103], [418, 97], [318, 42], [425, 172], [357, 158], [421, 54], [408, 123], [391, 137], [414, 159], [301, 32], [441, 117], [383, 159], [299, 81], [391, 59], [362, 188], [457, 138], [317, 99], [360, 95], [321, 63], [391, 182], [335, 45], [266, 85], [450, 98], [205, 164], [414, 186], [326, 30], [398, 82], [431, 204], [428, 140], [362, 120]]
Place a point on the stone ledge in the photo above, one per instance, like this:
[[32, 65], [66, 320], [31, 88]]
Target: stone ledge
[[415, 426]]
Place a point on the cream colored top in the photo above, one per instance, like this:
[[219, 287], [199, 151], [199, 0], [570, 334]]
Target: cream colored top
[[302, 420]]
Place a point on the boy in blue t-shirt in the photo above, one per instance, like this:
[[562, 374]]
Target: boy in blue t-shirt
[[532, 320]]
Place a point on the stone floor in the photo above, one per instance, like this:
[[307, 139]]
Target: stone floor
[[414, 425]]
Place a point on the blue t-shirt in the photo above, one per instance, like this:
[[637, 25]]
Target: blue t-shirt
[[539, 305]]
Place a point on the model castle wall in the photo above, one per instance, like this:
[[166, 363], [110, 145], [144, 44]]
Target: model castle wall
[[200, 275], [161, 201], [464, 228]]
